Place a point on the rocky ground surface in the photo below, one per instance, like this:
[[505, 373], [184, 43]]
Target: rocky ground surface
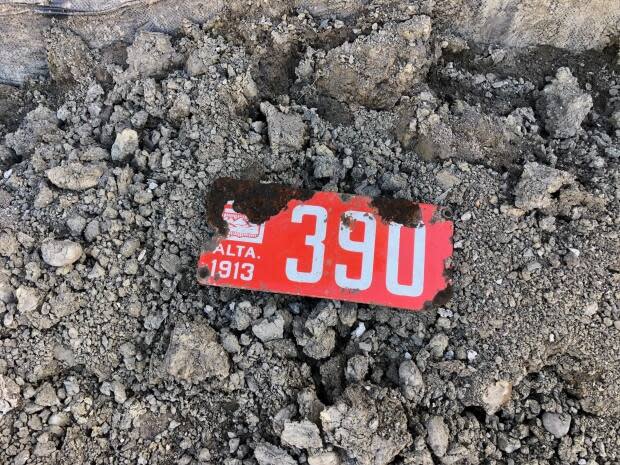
[[111, 353]]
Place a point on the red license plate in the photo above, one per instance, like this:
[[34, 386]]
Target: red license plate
[[277, 238]]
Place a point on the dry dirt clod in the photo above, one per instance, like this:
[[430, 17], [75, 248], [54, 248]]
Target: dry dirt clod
[[537, 185], [564, 105], [287, 131], [369, 425], [75, 176], [194, 354]]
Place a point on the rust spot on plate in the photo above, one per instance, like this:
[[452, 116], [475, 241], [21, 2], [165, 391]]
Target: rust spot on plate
[[400, 211], [257, 201]]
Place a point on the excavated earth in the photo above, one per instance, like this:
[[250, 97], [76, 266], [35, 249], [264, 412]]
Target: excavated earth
[[111, 353]]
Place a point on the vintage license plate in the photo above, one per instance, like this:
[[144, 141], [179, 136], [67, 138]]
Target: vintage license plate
[[276, 238]]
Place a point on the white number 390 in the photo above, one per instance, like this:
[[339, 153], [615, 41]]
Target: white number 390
[[365, 247]]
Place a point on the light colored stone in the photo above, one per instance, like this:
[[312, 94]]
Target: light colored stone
[[268, 454], [60, 253], [287, 131], [9, 395], [324, 458], [125, 144], [268, 330], [557, 424], [301, 434], [28, 299], [411, 381], [496, 396], [46, 396], [437, 435]]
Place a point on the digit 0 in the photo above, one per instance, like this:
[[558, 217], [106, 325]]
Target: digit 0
[[366, 247]]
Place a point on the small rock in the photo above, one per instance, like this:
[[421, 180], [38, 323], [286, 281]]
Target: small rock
[[243, 315], [28, 299], [44, 198], [9, 395], [180, 108], [92, 230], [438, 344], [76, 224], [268, 454], [194, 354], [496, 396], [357, 369], [75, 176], [118, 389], [46, 396], [125, 144], [411, 381], [287, 132], [60, 253], [303, 435], [324, 458], [557, 424], [437, 435], [269, 329], [563, 105], [143, 197], [326, 165], [8, 244], [508, 444], [230, 343]]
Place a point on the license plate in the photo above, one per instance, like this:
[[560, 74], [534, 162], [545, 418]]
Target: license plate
[[270, 237]]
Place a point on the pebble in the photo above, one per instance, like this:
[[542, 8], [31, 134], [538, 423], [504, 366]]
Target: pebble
[[268, 330], [557, 424], [437, 435], [361, 329], [28, 299], [125, 144], [60, 253], [303, 435], [324, 458], [268, 454], [46, 396], [411, 380]]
